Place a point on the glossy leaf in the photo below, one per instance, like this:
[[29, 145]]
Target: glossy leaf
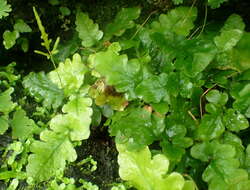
[[241, 94], [42, 89], [236, 142], [87, 30], [133, 127], [224, 174], [152, 89], [211, 127], [194, 56], [235, 121], [212, 151], [230, 33]]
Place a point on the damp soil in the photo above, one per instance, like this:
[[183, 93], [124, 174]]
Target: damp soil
[[101, 147]]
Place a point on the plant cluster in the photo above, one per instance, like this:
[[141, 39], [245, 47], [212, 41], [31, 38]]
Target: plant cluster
[[173, 92]]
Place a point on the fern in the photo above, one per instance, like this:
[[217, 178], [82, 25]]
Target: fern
[[4, 9]]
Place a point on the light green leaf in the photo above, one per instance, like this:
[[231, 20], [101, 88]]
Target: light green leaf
[[116, 69], [179, 20], [22, 126], [69, 75], [231, 33], [4, 8], [122, 22], [76, 120], [10, 38], [42, 89], [146, 173], [6, 105], [4, 124], [215, 3], [13, 184], [21, 26], [89, 32], [49, 155]]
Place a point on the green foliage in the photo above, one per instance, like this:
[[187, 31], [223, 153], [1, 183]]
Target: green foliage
[[215, 3], [166, 86], [88, 32], [6, 106], [152, 89], [76, 119], [22, 126], [69, 75], [4, 8], [21, 26], [106, 95], [136, 127], [123, 21], [178, 21], [46, 41], [230, 34], [223, 172], [145, 173], [43, 90], [50, 155], [177, 2], [10, 38], [115, 68], [44, 35]]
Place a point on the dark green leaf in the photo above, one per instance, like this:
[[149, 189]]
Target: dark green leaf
[[122, 22]]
